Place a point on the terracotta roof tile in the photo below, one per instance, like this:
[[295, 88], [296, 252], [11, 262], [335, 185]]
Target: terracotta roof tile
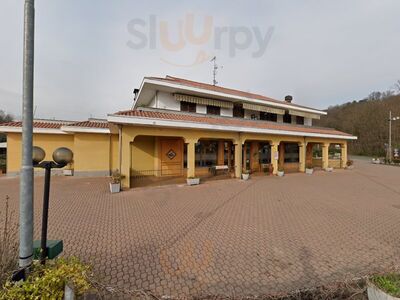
[[91, 124], [225, 90], [39, 124], [228, 121]]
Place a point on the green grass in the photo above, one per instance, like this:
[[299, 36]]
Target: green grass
[[389, 283]]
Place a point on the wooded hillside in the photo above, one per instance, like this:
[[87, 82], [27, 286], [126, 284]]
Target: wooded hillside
[[367, 119]]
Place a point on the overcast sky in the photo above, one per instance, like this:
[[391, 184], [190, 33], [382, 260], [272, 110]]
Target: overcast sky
[[91, 54]]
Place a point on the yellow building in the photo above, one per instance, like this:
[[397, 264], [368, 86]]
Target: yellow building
[[179, 128]]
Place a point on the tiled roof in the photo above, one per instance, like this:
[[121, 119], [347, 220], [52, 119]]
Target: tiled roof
[[228, 121], [225, 90], [39, 124], [91, 124]]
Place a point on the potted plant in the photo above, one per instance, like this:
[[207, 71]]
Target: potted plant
[[281, 172], [309, 169], [68, 171], [329, 169], [376, 161], [384, 287], [246, 175], [115, 184], [193, 180], [349, 165]]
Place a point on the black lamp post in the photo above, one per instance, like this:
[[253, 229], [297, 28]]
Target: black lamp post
[[61, 156]]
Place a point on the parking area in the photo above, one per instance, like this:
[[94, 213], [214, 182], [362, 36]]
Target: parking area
[[230, 237]]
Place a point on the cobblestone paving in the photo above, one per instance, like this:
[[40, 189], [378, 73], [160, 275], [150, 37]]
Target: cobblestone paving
[[263, 236]]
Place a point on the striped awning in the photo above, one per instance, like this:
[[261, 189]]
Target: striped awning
[[203, 101], [304, 114], [263, 108]]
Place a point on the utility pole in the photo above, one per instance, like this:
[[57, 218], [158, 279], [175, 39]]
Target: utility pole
[[389, 156], [26, 179], [389, 150]]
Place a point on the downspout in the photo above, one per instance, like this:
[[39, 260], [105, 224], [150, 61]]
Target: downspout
[[110, 155]]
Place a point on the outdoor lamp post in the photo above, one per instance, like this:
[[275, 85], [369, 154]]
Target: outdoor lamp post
[[391, 119], [61, 156]]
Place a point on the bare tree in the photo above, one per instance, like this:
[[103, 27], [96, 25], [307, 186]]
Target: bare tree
[[5, 117], [397, 86]]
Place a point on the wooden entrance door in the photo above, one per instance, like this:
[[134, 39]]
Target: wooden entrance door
[[171, 157]]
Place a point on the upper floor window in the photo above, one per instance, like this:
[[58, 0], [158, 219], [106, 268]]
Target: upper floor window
[[213, 110], [254, 117], [187, 106], [238, 111], [299, 120], [287, 118], [268, 116]]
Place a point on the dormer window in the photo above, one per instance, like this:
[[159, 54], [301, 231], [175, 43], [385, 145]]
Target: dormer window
[[188, 107], [213, 110]]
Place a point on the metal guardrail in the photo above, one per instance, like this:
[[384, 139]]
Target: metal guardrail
[[138, 174]]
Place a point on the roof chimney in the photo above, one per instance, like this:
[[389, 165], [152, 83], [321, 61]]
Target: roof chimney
[[135, 92], [288, 99]]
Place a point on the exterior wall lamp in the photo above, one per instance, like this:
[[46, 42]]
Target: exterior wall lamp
[[61, 156]]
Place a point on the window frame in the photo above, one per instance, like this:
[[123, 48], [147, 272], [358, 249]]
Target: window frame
[[213, 110], [287, 118], [266, 116], [188, 107], [299, 120]]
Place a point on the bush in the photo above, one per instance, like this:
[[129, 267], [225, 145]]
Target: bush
[[8, 243], [389, 283], [48, 282]]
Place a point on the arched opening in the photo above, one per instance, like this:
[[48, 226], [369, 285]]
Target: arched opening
[[157, 160], [335, 156], [289, 157], [314, 156], [257, 157], [214, 159]]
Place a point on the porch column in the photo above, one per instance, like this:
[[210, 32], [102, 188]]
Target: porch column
[[344, 154], [125, 158], [238, 160], [191, 168], [302, 156], [244, 155], [221, 152], [325, 155], [274, 156]]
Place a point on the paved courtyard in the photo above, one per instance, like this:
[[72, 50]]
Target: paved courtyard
[[267, 235]]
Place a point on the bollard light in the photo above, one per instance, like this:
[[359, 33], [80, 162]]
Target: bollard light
[[62, 156], [38, 155]]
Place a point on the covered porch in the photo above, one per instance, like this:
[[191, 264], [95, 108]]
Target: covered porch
[[157, 156], [172, 156]]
